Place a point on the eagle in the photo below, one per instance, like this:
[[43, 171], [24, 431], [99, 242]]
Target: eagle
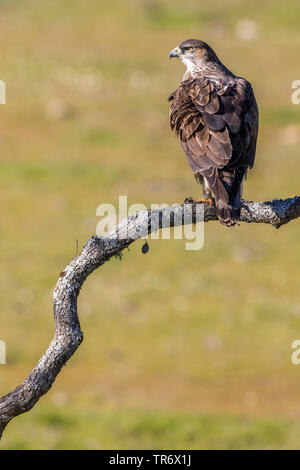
[[215, 115]]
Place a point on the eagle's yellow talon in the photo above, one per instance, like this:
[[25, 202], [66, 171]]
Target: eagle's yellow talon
[[210, 201], [207, 200]]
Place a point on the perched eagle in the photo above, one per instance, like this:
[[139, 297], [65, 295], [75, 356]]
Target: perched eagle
[[215, 115]]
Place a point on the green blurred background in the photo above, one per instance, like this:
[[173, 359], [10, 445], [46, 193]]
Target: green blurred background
[[182, 349]]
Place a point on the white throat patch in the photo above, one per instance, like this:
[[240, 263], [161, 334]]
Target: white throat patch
[[189, 64]]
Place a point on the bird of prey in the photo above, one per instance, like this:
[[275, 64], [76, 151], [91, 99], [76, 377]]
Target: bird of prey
[[215, 115]]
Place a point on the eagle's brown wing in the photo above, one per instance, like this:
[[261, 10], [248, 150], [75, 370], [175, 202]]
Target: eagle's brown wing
[[217, 125]]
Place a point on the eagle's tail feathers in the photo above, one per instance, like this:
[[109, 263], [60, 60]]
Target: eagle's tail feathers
[[226, 213], [226, 187]]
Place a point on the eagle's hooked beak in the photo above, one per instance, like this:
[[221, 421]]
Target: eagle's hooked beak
[[176, 52]]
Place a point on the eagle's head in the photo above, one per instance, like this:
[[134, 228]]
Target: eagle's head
[[195, 54]]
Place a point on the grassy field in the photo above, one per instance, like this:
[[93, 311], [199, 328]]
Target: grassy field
[[182, 349]]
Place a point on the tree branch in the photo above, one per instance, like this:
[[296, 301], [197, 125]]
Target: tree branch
[[96, 252]]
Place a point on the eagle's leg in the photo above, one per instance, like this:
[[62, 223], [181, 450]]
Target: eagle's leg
[[207, 194]]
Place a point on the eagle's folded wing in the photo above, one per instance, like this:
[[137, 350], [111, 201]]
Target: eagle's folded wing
[[216, 123]]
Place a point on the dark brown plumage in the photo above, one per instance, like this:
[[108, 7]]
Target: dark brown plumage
[[215, 115]]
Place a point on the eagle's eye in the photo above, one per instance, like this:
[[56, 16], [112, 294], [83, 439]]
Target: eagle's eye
[[189, 49]]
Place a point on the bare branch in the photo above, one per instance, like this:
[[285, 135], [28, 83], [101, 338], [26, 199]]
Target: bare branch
[[96, 252]]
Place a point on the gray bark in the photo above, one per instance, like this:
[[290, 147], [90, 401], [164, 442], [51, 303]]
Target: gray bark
[[96, 252]]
